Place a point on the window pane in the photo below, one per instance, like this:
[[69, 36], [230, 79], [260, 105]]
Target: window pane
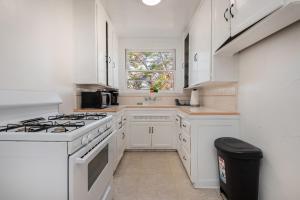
[[147, 60], [144, 80]]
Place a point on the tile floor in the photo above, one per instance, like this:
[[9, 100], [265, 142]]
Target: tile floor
[[155, 176]]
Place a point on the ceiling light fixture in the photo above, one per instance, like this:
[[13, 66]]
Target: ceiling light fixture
[[151, 2]]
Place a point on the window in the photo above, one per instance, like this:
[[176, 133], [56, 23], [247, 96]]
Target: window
[[146, 69]]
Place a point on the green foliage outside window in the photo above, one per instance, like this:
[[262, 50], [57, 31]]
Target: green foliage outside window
[[150, 69]]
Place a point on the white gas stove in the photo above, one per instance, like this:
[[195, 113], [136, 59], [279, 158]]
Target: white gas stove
[[47, 155], [78, 129]]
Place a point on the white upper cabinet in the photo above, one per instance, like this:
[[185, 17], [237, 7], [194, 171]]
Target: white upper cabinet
[[200, 41], [247, 12], [101, 19], [115, 60], [206, 33], [93, 38], [221, 22], [89, 40]]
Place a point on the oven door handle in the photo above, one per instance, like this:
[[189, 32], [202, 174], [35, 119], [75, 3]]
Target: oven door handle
[[89, 156]]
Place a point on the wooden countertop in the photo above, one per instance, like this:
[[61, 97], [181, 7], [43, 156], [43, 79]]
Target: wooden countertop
[[186, 109], [205, 111]]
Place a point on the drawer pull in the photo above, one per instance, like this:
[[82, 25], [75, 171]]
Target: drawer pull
[[184, 139]]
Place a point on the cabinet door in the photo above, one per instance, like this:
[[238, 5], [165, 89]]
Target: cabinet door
[[201, 37], [110, 52], [85, 56], [119, 145], [163, 136], [115, 61], [247, 12], [192, 52], [139, 135], [221, 22], [101, 43]]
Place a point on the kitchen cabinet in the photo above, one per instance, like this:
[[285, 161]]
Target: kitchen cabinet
[[205, 67], [140, 135], [196, 145], [221, 22], [93, 39], [247, 12], [151, 135], [89, 41], [162, 134], [184, 144], [150, 129], [231, 17], [113, 59], [200, 44], [121, 143], [121, 137]]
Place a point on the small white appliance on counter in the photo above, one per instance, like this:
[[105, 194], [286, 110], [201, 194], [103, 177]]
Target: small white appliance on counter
[[51, 156], [195, 101]]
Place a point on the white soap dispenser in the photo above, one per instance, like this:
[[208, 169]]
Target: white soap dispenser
[[195, 102]]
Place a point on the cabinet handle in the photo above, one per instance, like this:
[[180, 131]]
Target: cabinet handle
[[152, 130], [149, 130], [184, 140], [231, 6], [225, 14], [184, 125], [196, 57]]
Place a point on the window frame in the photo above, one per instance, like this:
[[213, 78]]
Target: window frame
[[173, 90]]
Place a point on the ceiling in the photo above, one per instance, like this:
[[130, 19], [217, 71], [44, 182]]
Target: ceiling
[[131, 18]]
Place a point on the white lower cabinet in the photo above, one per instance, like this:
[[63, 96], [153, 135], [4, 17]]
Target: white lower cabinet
[[196, 149], [120, 139], [162, 135], [145, 135], [121, 143], [151, 129], [140, 135]]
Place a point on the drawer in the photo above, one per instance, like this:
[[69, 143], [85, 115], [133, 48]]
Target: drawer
[[186, 127], [186, 160], [186, 142]]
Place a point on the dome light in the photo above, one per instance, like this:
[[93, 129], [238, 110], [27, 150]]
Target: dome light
[[151, 2]]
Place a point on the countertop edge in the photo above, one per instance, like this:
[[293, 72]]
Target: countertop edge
[[182, 109]]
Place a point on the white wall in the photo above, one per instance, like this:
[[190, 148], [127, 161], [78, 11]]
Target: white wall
[[36, 47], [269, 102], [151, 43]]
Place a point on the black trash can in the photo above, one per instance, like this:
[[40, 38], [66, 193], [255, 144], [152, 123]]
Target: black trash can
[[238, 168]]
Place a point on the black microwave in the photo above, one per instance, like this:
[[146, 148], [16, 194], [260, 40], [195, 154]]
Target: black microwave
[[95, 99]]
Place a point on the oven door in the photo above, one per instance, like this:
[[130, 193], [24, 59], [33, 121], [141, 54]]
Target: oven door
[[91, 171]]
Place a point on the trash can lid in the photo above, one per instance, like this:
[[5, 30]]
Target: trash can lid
[[238, 148]]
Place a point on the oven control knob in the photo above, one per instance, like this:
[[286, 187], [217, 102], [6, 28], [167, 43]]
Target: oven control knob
[[85, 140]]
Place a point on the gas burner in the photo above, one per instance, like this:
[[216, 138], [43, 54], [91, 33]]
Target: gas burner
[[86, 116], [67, 117], [60, 130], [44, 126]]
